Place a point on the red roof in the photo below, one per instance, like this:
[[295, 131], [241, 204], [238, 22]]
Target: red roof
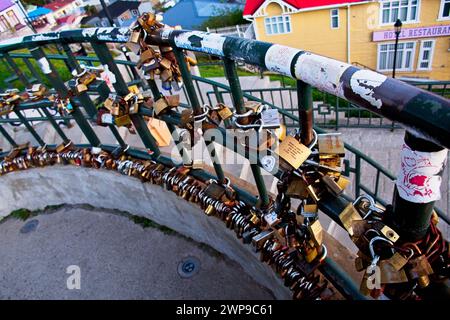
[[252, 5], [56, 5]]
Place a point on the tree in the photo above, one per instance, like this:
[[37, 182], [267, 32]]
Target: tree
[[36, 2], [224, 18]]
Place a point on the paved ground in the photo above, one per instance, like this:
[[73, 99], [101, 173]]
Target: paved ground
[[117, 259]]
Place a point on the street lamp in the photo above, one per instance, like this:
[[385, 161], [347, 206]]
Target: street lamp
[[398, 30]]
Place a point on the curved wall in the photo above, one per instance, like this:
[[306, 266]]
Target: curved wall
[[39, 187]]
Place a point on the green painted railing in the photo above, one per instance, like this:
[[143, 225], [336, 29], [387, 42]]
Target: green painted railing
[[194, 96]]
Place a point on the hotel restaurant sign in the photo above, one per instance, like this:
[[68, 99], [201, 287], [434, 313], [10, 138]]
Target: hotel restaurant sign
[[410, 33]]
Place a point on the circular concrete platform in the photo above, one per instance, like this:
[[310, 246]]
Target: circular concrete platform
[[109, 256]]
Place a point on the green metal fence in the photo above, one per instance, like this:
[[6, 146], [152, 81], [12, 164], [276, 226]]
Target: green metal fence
[[194, 96]]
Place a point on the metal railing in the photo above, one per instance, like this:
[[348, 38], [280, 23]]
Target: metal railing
[[231, 49]]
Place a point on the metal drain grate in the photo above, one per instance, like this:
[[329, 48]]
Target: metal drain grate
[[188, 267], [30, 226]]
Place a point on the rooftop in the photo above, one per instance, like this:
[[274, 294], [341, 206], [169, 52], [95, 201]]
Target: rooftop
[[252, 5]]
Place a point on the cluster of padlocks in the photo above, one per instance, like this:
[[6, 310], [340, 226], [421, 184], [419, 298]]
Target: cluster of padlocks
[[287, 252], [286, 230]]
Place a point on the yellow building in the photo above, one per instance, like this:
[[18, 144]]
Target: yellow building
[[362, 32]]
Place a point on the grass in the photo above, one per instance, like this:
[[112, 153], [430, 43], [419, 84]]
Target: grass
[[21, 214], [147, 223], [24, 214], [6, 72], [210, 71]]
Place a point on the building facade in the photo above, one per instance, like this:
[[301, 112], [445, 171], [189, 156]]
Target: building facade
[[11, 16], [362, 32]]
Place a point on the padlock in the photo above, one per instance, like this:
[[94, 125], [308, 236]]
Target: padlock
[[347, 216], [311, 252], [224, 112], [166, 75], [343, 182], [81, 87], [145, 56], [332, 186], [390, 275], [271, 218], [173, 100], [313, 193], [160, 105], [419, 269], [122, 120], [331, 144], [387, 231], [316, 232], [187, 119], [135, 36], [297, 188], [331, 160], [210, 210], [165, 63], [64, 147], [214, 190], [270, 118], [293, 152]]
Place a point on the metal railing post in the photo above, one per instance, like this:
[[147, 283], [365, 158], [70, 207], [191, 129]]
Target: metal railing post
[[55, 125], [238, 102], [8, 137], [305, 111], [55, 80], [84, 97], [195, 104], [121, 88], [412, 213], [16, 69], [29, 127]]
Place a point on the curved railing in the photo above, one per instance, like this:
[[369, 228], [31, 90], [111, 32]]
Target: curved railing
[[424, 113]]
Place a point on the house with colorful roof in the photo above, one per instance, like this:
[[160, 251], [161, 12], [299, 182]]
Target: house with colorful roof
[[189, 14], [61, 8], [123, 13], [11, 16], [362, 32]]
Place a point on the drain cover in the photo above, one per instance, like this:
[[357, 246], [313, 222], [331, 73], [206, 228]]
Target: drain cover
[[188, 267], [30, 226]]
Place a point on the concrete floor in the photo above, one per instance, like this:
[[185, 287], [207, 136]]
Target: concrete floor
[[117, 259]]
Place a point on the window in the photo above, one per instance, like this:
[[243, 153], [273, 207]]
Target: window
[[334, 18], [134, 12], [278, 24], [405, 10], [426, 55], [12, 18], [444, 12], [405, 56]]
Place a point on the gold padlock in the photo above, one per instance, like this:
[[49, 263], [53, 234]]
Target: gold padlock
[[135, 36], [81, 87], [166, 75], [293, 152], [210, 210], [347, 216], [316, 231], [331, 144], [165, 63], [332, 186], [160, 105], [311, 253], [122, 121], [224, 111]]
